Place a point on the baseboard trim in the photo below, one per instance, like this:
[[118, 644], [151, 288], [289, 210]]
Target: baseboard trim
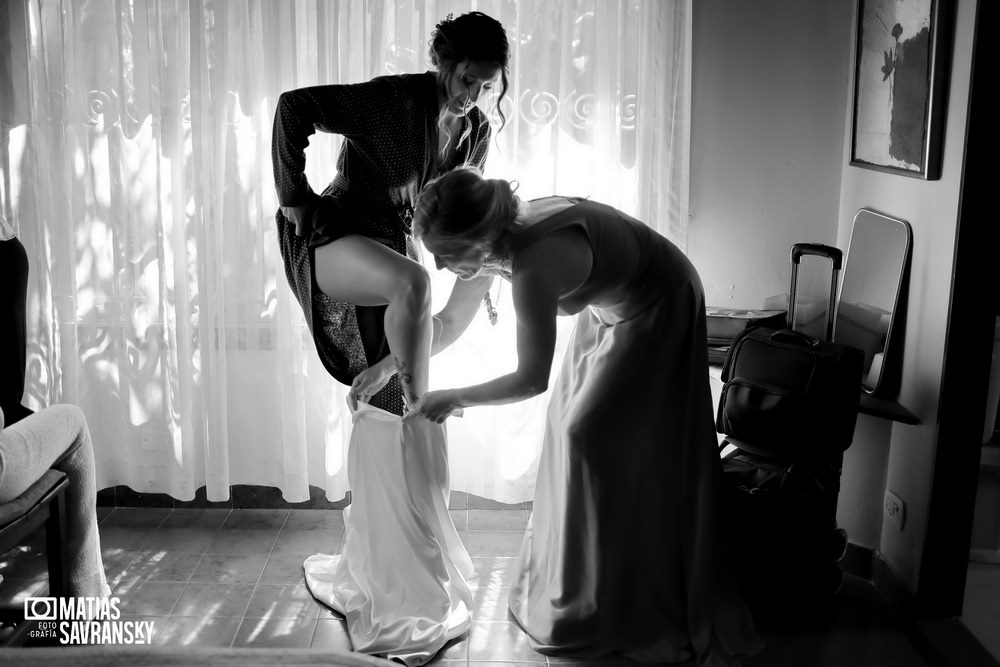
[[857, 560], [868, 563], [241, 496], [250, 496], [892, 587]]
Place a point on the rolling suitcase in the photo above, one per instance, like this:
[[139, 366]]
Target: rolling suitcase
[[724, 324], [788, 407]]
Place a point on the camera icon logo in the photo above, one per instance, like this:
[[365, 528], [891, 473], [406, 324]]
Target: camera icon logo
[[40, 609]]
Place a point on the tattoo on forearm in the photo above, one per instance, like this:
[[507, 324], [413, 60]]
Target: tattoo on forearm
[[409, 398], [404, 377]]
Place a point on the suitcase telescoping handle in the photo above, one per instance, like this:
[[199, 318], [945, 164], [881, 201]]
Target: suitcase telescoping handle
[[837, 257]]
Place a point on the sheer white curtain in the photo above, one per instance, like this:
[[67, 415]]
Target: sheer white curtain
[[135, 148]]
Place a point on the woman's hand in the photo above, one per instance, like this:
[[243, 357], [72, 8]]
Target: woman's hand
[[301, 216], [370, 381], [436, 406]]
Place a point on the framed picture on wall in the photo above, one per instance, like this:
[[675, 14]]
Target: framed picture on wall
[[900, 80]]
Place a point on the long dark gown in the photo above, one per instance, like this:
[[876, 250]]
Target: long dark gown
[[390, 152], [624, 551]]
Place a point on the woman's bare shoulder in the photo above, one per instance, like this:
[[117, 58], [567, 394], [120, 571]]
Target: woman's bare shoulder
[[544, 208]]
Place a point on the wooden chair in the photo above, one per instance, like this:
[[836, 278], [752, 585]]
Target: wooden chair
[[42, 503]]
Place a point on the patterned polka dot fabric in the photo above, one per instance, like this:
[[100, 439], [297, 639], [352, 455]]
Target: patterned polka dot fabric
[[390, 152]]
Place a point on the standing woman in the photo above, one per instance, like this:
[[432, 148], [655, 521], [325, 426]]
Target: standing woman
[[348, 254], [354, 269], [624, 552]]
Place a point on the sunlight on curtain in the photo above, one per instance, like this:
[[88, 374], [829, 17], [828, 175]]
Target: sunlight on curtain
[[136, 170]]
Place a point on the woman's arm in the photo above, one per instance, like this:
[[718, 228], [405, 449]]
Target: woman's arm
[[536, 298], [463, 304], [552, 267], [352, 110]]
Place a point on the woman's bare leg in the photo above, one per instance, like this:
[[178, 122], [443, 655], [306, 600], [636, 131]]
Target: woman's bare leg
[[361, 271]]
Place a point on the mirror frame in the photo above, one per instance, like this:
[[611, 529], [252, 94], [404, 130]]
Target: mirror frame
[[891, 345]]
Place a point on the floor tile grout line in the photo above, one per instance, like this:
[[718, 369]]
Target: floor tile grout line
[[187, 584], [244, 619], [239, 626], [157, 526], [312, 635], [131, 562], [260, 576], [312, 639]]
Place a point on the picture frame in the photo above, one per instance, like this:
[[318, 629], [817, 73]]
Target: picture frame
[[900, 86]]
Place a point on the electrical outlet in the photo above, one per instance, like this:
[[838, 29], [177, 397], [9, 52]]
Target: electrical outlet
[[895, 509]]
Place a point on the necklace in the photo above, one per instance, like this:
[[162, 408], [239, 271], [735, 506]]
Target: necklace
[[501, 272], [491, 304]]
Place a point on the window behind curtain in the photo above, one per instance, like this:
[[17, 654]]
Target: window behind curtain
[[136, 170]]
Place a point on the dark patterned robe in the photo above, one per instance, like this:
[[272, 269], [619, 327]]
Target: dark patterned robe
[[390, 152]]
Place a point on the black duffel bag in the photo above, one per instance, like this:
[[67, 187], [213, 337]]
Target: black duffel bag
[[784, 533], [790, 395]]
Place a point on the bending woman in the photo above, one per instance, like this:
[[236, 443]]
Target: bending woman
[[348, 254], [622, 555]]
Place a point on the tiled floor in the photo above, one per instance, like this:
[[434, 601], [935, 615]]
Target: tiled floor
[[981, 607], [234, 578]]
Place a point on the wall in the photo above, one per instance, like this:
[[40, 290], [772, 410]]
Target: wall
[[771, 101], [770, 97], [906, 453], [769, 88]]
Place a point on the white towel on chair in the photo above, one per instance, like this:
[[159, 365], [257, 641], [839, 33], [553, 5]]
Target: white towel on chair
[[401, 580]]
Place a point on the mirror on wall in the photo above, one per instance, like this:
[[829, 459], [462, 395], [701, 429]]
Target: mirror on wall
[[877, 260]]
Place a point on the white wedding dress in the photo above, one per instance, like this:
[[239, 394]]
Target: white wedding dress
[[401, 579]]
